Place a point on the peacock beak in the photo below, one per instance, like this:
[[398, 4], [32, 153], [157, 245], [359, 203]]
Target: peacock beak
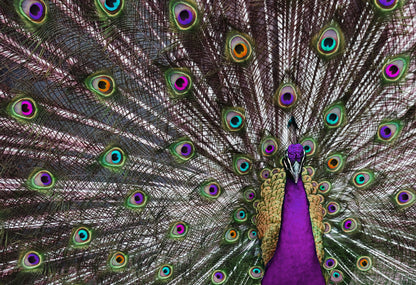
[[295, 170]]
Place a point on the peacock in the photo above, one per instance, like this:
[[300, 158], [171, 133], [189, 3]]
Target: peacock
[[208, 142]]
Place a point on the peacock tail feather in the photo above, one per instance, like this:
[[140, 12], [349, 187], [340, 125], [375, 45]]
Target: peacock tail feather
[[146, 142]]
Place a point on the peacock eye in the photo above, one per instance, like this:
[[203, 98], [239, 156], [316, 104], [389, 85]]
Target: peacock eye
[[333, 208], [386, 5], [118, 260], [102, 85], [329, 42], [165, 272], [218, 277], [334, 162], [231, 235], [137, 199], [239, 48], [242, 165], [336, 276], [240, 215], [114, 157], [395, 69], [111, 7], [24, 108], [233, 119], [249, 195], [179, 82], [327, 228], [405, 198], [363, 179], [184, 14], [210, 189], [268, 146], [309, 145], [255, 272], [42, 180], [33, 10], [265, 173], [81, 236], [334, 116], [330, 263], [182, 150], [31, 260], [252, 234], [364, 263], [387, 132], [324, 187], [178, 230], [349, 225], [286, 96]]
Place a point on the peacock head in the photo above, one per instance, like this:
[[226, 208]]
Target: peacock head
[[294, 160]]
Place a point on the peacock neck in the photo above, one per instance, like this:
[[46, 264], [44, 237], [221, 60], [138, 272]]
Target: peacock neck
[[295, 260]]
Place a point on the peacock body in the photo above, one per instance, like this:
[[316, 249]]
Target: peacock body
[[208, 142]]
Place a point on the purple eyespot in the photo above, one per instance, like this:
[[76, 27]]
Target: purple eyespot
[[287, 98], [392, 70], [181, 83], [138, 198], [46, 179], [180, 229], [186, 149]]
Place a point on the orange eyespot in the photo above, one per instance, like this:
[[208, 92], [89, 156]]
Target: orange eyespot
[[332, 163], [104, 85], [233, 233], [240, 50], [119, 258]]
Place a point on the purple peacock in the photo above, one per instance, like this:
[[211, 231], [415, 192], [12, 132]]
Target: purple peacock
[[207, 142]]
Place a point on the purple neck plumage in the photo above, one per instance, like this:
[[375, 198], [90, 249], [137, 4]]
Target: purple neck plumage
[[295, 260]]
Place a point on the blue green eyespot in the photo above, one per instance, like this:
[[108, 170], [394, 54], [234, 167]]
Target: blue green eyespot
[[334, 116], [363, 179], [110, 8], [329, 41], [81, 236], [233, 119], [240, 215], [242, 164], [165, 272], [113, 158], [309, 145], [256, 272]]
